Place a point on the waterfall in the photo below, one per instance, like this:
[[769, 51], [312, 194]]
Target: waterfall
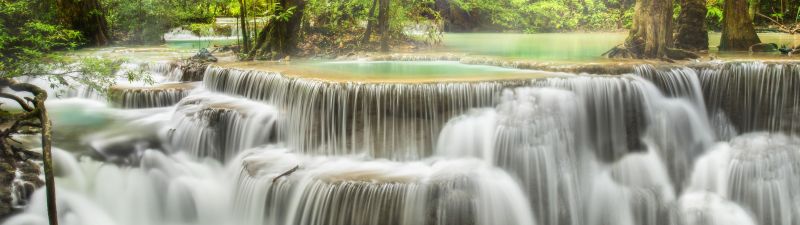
[[763, 175], [161, 190], [159, 96], [756, 170], [710, 209], [218, 126], [344, 191], [533, 134], [754, 96], [380, 120], [616, 111], [662, 145]]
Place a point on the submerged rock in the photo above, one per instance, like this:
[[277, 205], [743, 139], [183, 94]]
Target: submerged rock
[[764, 47]]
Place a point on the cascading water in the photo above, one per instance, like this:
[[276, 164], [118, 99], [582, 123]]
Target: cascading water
[[159, 96], [754, 96], [395, 121], [658, 146], [219, 126]]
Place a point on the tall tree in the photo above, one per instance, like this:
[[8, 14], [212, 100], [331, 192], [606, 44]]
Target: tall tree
[[280, 36], [86, 16], [383, 20], [370, 22], [692, 30], [738, 33], [651, 34], [754, 9], [243, 25]]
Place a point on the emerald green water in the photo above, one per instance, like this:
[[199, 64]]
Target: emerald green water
[[544, 46], [550, 46], [190, 44], [380, 71], [572, 46], [405, 69], [559, 48]]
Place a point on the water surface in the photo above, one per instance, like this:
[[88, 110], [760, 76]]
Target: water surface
[[406, 71], [581, 47]]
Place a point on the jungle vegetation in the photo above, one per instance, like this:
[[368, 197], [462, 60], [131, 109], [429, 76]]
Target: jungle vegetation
[[33, 32], [273, 29]]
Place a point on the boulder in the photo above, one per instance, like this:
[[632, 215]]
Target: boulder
[[204, 55], [764, 47], [785, 50]]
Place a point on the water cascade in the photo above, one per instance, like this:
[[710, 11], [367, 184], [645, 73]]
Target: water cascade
[[381, 120], [218, 126], [158, 96], [663, 145], [754, 96]]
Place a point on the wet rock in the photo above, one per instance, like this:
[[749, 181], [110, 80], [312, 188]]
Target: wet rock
[[191, 70], [18, 179], [204, 56], [785, 50], [232, 48], [124, 151], [764, 47]]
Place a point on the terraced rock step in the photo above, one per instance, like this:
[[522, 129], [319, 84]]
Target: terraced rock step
[[161, 95]]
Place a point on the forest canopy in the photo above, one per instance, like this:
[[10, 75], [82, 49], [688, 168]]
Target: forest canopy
[[144, 21], [327, 26]]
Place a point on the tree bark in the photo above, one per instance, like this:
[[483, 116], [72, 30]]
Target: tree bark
[[753, 11], [692, 31], [738, 33], [49, 175], [243, 25], [38, 111], [651, 34], [370, 22], [383, 20], [279, 38], [86, 16]]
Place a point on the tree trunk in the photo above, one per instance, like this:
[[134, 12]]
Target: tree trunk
[[383, 20], [243, 25], [49, 175], [279, 38], [692, 31], [754, 9], [370, 22], [38, 111], [651, 34], [86, 16], [738, 33]]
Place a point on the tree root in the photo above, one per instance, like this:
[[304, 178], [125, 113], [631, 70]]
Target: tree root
[[620, 52]]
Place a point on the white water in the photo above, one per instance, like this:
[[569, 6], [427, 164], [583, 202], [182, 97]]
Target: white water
[[261, 148]]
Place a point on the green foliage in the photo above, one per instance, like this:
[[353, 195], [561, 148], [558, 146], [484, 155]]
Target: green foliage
[[28, 45], [278, 13], [145, 21], [714, 14], [550, 15], [344, 21], [26, 38], [783, 11], [201, 29], [95, 73], [336, 16]]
